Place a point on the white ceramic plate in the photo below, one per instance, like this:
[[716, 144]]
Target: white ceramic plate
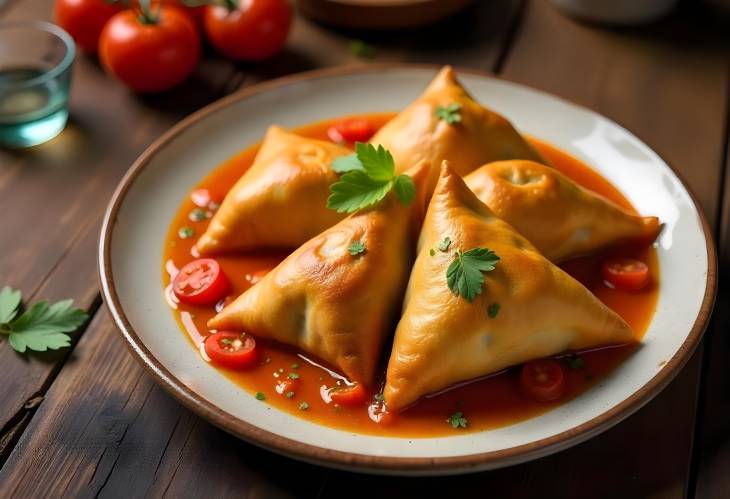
[[146, 200]]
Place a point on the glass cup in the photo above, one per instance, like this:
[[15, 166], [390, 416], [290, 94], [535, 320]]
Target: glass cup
[[35, 74]]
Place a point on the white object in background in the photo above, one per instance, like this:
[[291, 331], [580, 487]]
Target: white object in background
[[616, 12]]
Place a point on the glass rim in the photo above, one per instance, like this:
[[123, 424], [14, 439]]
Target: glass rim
[[52, 29]]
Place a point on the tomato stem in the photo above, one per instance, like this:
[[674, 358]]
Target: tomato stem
[[146, 16]]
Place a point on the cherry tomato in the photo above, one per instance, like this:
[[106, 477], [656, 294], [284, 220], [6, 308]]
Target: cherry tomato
[[543, 379], [351, 396], [626, 273], [85, 19], [352, 130], [150, 56], [288, 385], [231, 349], [200, 282], [251, 31]]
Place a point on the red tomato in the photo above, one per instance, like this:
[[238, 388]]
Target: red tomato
[[543, 379], [626, 273], [231, 349], [288, 385], [253, 31], [352, 130], [85, 19], [150, 57], [200, 282], [353, 395]]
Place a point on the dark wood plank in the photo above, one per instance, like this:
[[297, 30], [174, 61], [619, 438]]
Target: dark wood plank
[[119, 433], [668, 84], [55, 194]]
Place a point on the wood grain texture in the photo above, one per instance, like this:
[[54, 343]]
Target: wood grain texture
[[57, 193]]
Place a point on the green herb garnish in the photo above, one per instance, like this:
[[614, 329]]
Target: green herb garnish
[[362, 49], [289, 395], [260, 396], [303, 406], [293, 376], [198, 215], [576, 362], [42, 326], [226, 342], [379, 397], [465, 274], [493, 310], [457, 420], [444, 244], [369, 175], [356, 248], [450, 114], [186, 232], [295, 366]]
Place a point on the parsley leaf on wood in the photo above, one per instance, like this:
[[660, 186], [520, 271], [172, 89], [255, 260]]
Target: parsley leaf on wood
[[42, 326], [9, 303], [367, 178], [457, 420], [450, 114], [465, 274]]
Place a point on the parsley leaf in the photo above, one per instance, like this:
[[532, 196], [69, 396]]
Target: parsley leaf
[[367, 179], [185, 232], [493, 310], [260, 396], [457, 420], [444, 245], [293, 376], [303, 406], [450, 114], [42, 326], [345, 164], [9, 303], [464, 275], [356, 248]]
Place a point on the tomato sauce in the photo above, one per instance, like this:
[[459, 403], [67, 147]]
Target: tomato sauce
[[487, 403]]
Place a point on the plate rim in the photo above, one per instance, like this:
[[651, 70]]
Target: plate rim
[[365, 462]]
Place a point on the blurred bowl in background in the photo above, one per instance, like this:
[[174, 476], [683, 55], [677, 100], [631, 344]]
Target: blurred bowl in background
[[380, 14], [616, 12]]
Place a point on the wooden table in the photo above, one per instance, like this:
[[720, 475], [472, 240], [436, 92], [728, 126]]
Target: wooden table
[[89, 421]]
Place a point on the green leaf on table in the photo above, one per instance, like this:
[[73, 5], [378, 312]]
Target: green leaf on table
[[9, 303], [465, 274], [43, 326]]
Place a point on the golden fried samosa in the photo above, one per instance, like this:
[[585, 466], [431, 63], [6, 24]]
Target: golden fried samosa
[[329, 302], [561, 218], [468, 135], [528, 308], [280, 201]]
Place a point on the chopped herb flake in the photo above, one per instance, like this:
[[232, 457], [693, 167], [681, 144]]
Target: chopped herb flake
[[576, 362], [493, 310], [295, 366], [226, 342], [356, 248], [379, 397], [444, 244], [432, 252], [185, 232], [450, 113], [289, 395], [260, 396], [362, 49], [303, 406], [293, 376], [457, 420], [198, 215]]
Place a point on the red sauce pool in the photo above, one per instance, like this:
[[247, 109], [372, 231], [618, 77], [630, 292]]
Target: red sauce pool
[[487, 403]]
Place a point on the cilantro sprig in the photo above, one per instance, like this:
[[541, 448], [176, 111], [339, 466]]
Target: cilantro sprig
[[42, 326], [450, 114], [465, 275], [368, 176]]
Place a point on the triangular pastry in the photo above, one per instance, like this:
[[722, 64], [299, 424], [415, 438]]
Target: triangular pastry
[[480, 135], [443, 339], [280, 201], [561, 218], [331, 303]]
